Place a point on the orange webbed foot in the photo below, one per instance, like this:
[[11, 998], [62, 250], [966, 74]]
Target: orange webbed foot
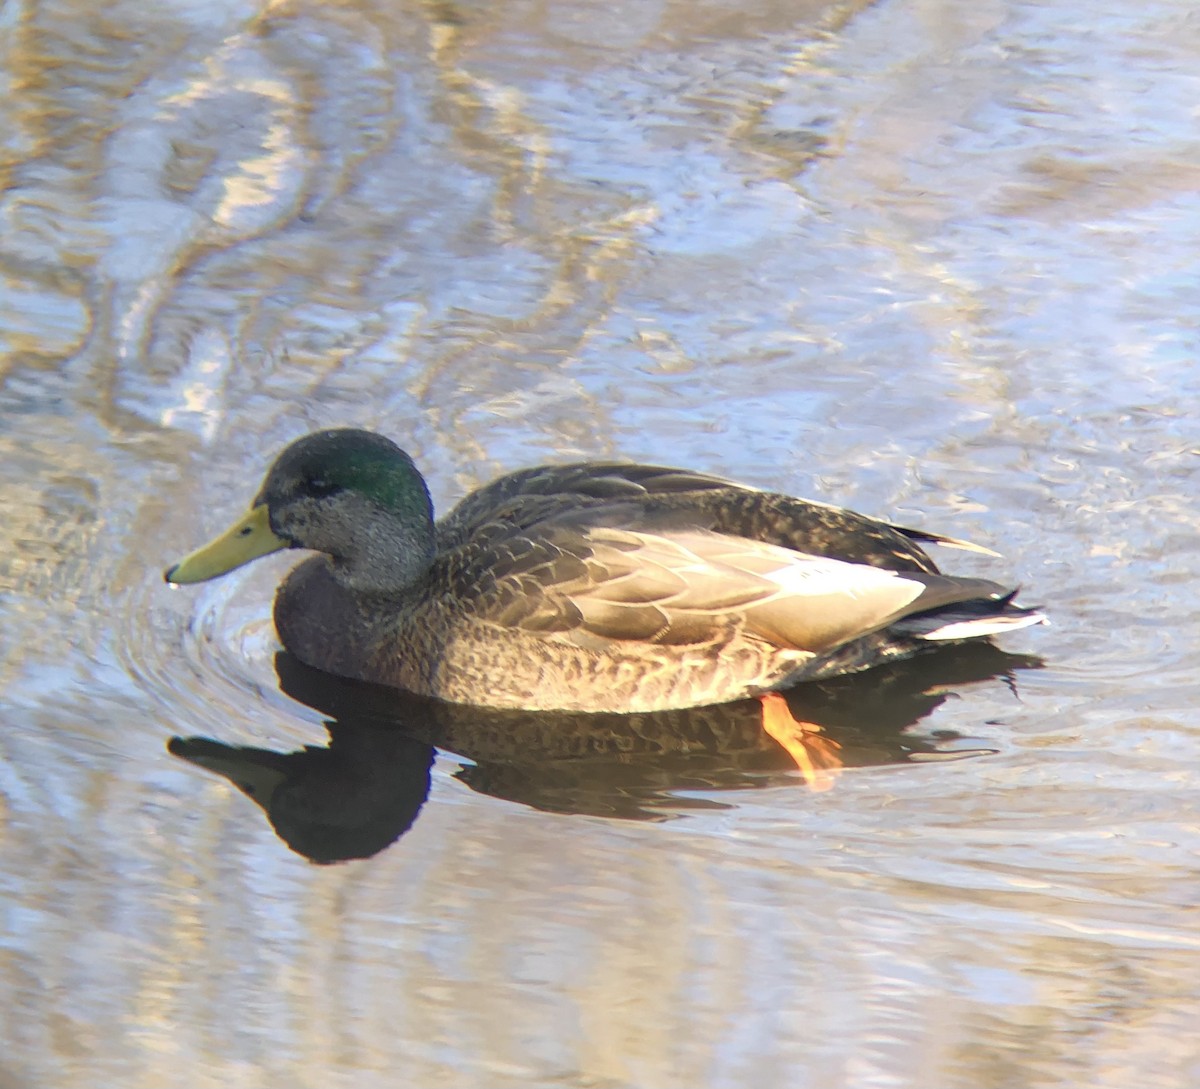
[[815, 755]]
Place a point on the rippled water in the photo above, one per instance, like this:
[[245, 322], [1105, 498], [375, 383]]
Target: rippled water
[[931, 260]]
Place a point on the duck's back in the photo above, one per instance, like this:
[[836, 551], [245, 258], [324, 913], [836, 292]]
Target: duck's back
[[619, 495]]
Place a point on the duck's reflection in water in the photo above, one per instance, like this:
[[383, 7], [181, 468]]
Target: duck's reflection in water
[[359, 794]]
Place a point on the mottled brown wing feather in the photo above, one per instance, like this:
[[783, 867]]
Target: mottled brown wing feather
[[659, 498], [590, 584], [784, 520], [539, 491], [785, 598]]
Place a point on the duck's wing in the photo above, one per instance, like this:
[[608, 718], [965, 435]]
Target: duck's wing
[[825, 530], [594, 584], [532, 494], [659, 496]]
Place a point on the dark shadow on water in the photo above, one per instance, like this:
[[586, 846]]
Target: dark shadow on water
[[364, 790]]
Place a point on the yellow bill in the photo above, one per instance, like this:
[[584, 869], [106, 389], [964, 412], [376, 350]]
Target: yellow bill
[[245, 540]]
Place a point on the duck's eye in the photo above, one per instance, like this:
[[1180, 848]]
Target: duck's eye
[[319, 487]]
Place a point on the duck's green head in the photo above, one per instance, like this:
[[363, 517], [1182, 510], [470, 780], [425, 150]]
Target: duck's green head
[[354, 495]]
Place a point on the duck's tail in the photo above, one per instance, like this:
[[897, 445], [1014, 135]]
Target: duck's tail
[[970, 619]]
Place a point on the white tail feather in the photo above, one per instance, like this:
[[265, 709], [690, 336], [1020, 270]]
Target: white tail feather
[[984, 625]]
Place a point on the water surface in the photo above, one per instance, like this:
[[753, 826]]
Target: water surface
[[929, 260]]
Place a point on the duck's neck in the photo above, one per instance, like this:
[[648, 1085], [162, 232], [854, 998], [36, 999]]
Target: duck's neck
[[385, 559]]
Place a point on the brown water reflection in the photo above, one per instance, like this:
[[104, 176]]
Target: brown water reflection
[[364, 790]]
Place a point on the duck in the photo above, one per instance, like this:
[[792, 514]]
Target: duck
[[594, 586]]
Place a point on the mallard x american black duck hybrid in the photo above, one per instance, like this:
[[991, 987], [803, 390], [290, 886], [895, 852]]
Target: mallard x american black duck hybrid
[[595, 586]]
